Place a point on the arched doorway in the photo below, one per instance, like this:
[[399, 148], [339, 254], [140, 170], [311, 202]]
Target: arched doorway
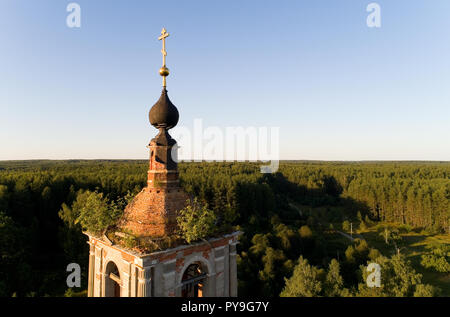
[[194, 280], [112, 280]]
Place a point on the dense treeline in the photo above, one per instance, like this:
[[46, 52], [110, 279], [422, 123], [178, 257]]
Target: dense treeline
[[416, 194], [36, 244]]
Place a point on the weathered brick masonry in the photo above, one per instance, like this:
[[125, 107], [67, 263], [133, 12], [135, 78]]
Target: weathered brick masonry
[[160, 273]]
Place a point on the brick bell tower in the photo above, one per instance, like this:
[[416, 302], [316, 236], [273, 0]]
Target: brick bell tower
[[205, 268], [153, 212]]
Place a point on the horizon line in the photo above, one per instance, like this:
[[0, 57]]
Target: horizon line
[[224, 161]]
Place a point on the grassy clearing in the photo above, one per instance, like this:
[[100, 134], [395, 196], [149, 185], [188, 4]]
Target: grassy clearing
[[414, 245]]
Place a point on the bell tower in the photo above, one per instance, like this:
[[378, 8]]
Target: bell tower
[[153, 212], [203, 268]]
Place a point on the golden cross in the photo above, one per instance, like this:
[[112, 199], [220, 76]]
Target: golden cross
[[163, 36]]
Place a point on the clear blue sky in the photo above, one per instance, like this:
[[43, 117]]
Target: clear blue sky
[[337, 89]]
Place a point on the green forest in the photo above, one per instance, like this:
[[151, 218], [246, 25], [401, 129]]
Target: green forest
[[310, 229]]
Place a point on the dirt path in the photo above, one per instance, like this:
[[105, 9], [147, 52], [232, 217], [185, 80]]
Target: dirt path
[[355, 236]]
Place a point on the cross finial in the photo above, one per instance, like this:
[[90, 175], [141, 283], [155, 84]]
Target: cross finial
[[163, 36], [164, 71]]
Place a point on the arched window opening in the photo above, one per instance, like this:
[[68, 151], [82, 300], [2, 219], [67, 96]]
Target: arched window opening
[[194, 280], [112, 280]]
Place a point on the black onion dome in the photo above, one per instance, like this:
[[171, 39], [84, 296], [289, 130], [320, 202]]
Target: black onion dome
[[163, 114]]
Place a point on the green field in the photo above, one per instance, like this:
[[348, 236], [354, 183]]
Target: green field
[[414, 245]]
